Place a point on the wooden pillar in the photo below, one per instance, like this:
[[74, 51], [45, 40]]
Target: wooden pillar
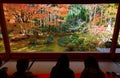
[[115, 34], [4, 32]]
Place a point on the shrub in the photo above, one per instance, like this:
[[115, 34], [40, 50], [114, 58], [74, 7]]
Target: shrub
[[81, 48], [62, 41], [44, 41], [81, 40], [50, 39], [108, 44], [71, 47]]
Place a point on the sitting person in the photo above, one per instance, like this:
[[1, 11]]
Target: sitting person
[[3, 72], [0, 62], [22, 65], [91, 69], [61, 69]]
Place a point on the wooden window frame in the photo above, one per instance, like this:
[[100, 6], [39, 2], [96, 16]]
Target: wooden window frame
[[53, 56]]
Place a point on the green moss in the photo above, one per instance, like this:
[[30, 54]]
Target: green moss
[[26, 47]]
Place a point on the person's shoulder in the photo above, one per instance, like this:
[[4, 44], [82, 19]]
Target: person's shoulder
[[30, 75], [102, 74], [25, 75], [70, 71], [55, 68], [3, 72]]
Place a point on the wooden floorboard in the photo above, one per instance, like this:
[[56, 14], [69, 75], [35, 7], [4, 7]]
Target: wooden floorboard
[[76, 66]]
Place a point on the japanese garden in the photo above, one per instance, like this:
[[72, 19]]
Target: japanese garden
[[59, 27]]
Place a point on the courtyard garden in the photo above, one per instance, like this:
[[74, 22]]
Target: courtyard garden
[[59, 27]]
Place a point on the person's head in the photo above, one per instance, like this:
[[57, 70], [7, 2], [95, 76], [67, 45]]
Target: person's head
[[22, 65], [63, 60], [90, 61], [0, 62]]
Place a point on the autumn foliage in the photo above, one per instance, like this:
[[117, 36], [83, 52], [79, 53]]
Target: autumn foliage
[[21, 17]]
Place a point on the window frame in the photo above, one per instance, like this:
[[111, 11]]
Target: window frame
[[53, 56]]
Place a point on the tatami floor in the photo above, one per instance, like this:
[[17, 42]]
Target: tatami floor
[[76, 66]]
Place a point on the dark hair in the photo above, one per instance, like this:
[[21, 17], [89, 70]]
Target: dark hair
[[92, 69], [90, 61], [0, 62], [63, 61], [22, 65]]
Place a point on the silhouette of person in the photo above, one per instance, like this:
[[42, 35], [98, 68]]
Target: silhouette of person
[[3, 72], [0, 62], [61, 69], [91, 69], [22, 65]]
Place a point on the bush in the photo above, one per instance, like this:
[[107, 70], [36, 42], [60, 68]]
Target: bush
[[108, 44], [81, 48], [62, 41], [87, 43], [71, 47], [44, 41], [81, 40], [50, 39]]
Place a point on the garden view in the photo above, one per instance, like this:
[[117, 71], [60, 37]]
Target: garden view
[[59, 27]]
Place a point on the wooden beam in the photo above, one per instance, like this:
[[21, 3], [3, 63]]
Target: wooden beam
[[60, 1]]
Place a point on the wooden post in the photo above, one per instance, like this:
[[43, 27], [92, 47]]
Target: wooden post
[[115, 34], [4, 31]]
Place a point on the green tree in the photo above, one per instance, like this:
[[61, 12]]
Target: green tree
[[77, 17]]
